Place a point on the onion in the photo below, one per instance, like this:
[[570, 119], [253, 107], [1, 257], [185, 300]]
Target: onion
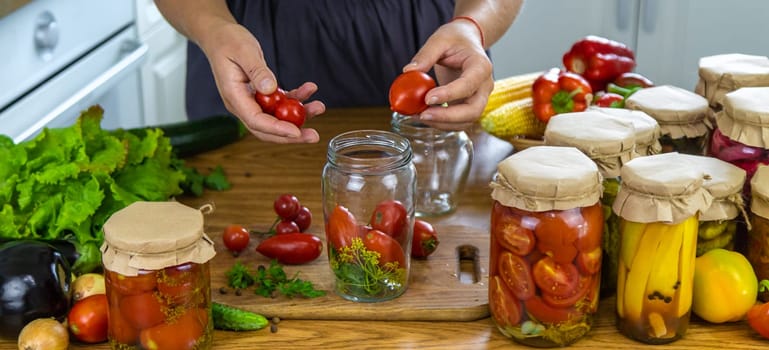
[[86, 285], [44, 334]]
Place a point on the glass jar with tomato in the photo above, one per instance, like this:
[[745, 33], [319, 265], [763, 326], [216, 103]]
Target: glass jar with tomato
[[658, 205], [758, 234], [156, 267], [442, 160], [369, 182], [545, 246], [609, 142], [681, 115]]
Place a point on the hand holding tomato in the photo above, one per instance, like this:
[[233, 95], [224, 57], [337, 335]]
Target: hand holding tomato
[[408, 92], [282, 107]]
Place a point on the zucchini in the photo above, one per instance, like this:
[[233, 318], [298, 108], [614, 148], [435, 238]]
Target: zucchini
[[233, 319], [192, 137]]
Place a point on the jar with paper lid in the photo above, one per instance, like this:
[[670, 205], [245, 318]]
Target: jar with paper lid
[[545, 246], [741, 136], [156, 267], [680, 114], [724, 223], [647, 130], [724, 73], [658, 206], [758, 235], [609, 142]]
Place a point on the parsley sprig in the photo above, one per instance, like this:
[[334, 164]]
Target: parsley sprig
[[269, 280]]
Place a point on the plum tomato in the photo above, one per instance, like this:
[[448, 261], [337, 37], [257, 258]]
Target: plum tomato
[[408, 92], [425, 239], [236, 238], [182, 333], [286, 226], [292, 111], [575, 295], [287, 206], [589, 263], [270, 101], [291, 248], [341, 228], [87, 319], [388, 248], [555, 278], [176, 284], [516, 273], [303, 219], [144, 281], [512, 236], [142, 310], [545, 313], [390, 216], [505, 308]]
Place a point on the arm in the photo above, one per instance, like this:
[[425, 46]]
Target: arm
[[457, 53], [238, 66]]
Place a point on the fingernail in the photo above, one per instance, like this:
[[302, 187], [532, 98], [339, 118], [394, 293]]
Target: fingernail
[[433, 100], [425, 117], [265, 85]]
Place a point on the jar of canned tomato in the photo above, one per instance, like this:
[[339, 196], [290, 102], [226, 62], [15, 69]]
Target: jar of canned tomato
[[545, 251], [681, 115], [609, 142], [658, 204], [155, 257], [758, 235]]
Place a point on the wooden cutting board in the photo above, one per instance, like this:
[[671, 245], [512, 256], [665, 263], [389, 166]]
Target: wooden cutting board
[[441, 288]]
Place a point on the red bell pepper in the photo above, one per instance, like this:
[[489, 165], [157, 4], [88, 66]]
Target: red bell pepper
[[558, 91], [599, 60]]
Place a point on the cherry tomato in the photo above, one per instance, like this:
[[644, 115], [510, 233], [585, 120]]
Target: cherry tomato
[[576, 294], [270, 101], [119, 329], [236, 238], [286, 226], [516, 273], [555, 236], [555, 278], [341, 228], [87, 319], [590, 262], [142, 310], [505, 308], [388, 248], [390, 217], [181, 334], [512, 236], [408, 92], [287, 206], [303, 219], [545, 313], [292, 111], [425, 239], [590, 228], [291, 248], [145, 281]]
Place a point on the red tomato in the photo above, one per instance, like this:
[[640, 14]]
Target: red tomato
[[516, 273], [388, 248], [287, 206], [291, 248], [142, 310], [181, 334], [590, 229], [270, 101], [177, 284], [87, 319], [303, 219], [576, 294], [548, 314], [590, 262], [292, 111], [408, 92], [512, 236], [286, 226], [341, 228], [555, 278], [505, 308], [236, 238], [425, 239], [145, 281], [119, 329], [555, 237], [610, 100], [758, 319], [390, 217]]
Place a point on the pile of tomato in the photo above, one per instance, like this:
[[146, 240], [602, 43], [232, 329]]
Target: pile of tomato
[[544, 269]]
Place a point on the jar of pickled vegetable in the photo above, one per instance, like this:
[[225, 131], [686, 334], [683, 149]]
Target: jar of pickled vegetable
[[724, 73], [609, 142], [680, 114], [368, 205], [155, 257], [647, 130], [658, 204], [758, 235], [741, 136], [442, 160], [545, 246]]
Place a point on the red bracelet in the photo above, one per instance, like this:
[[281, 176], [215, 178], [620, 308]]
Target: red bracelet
[[477, 25]]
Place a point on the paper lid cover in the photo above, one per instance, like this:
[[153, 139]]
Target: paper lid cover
[[721, 74], [725, 182], [680, 113], [647, 130], [759, 192], [745, 116]]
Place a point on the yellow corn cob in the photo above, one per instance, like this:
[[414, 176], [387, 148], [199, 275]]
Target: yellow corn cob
[[513, 119], [510, 89]]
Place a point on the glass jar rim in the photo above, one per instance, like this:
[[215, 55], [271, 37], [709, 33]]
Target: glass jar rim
[[369, 151], [409, 126]]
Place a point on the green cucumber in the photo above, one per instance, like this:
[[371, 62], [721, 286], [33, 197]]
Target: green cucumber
[[233, 319], [193, 137]]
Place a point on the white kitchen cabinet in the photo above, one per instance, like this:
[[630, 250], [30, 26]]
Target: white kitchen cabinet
[[668, 37], [163, 74]]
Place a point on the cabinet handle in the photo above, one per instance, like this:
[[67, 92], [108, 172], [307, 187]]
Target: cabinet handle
[[648, 15], [624, 10]]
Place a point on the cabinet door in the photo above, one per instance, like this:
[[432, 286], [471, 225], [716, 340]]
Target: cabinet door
[[546, 29], [673, 35]]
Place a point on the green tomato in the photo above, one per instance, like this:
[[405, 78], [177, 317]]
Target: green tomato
[[725, 286]]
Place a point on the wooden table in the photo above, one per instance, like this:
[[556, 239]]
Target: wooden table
[[261, 171]]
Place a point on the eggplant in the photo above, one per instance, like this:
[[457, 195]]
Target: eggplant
[[35, 282]]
